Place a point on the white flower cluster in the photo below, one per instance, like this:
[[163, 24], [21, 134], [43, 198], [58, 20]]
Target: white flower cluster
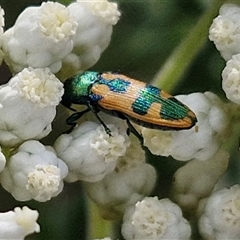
[[225, 33], [99, 151], [200, 142], [2, 160], [41, 37], [231, 79], [1, 32], [28, 106], [34, 172], [46, 40], [220, 218], [155, 219], [54, 39], [18, 224], [107, 11], [67, 40], [107, 238], [203, 176], [92, 36], [131, 181]]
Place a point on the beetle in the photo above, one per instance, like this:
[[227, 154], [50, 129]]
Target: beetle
[[126, 98]]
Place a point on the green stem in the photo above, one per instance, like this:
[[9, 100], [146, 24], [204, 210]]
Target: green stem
[[177, 64], [232, 142], [97, 226], [7, 152]]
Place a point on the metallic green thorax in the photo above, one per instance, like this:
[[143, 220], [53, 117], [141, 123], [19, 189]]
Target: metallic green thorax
[[77, 90]]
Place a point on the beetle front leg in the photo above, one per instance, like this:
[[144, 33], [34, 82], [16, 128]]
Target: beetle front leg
[[71, 120], [134, 131], [94, 111]]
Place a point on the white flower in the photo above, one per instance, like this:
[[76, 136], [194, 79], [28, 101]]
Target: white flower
[[131, 181], [19, 223], [34, 172], [1, 32], [107, 11], [38, 86], [200, 142], [231, 79], [28, 106], [155, 219], [221, 216], [225, 31], [95, 23], [2, 21], [56, 22], [90, 152], [41, 37], [106, 238], [203, 176], [2, 160]]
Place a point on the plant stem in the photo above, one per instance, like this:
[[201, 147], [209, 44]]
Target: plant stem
[[97, 226], [171, 73]]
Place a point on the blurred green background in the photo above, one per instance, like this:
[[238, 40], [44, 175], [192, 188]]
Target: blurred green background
[[144, 38]]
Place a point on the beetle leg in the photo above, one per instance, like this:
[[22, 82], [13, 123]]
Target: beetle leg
[[74, 110], [133, 130], [71, 120], [94, 111]]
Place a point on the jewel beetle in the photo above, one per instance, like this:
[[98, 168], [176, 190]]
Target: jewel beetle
[[126, 98]]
